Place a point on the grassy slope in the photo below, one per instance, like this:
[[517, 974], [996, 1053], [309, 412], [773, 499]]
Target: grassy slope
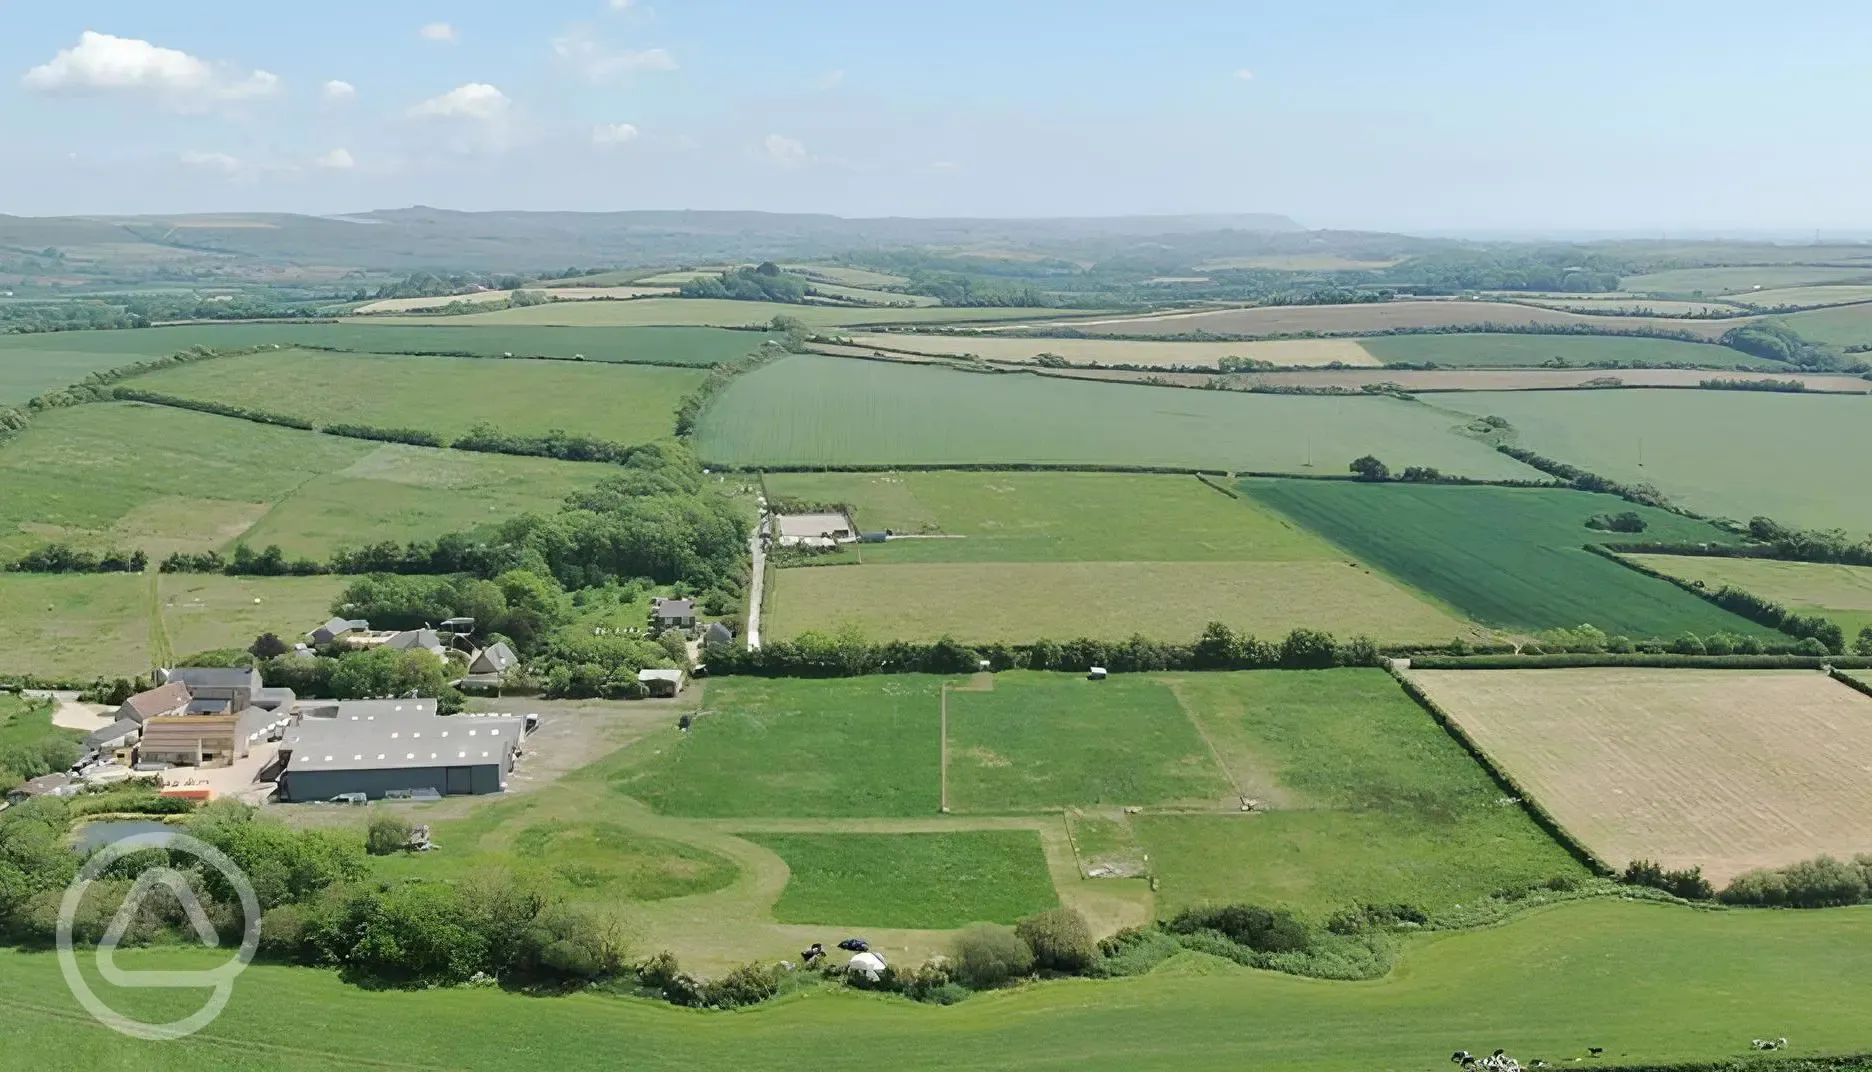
[[1040, 742], [1646, 982], [932, 881], [204, 612], [599, 862], [699, 312], [1842, 593], [1725, 453], [1370, 801], [24, 726], [825, 410], [1848, 325], [26, 373], [108, 349], [1509, 350], [1730, 280], [1510, 557], [443, 395]]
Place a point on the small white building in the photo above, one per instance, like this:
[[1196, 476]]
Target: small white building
[[661, 682]]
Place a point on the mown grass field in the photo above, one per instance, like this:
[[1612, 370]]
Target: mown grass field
[[711, 312], [814, 410], [1846, 325], [1815, 295], [443, 395], [206, 612], [925, 881], [801, 748], [1584, 975], [1479, 350], [1841, 593], [164, 479], [1297, 352], [1508, 557], [660, 345], [1723, 453], [23, 725], [27, 373], [1046, 742], [1368, 317], [1739, 280], [1365, 798]]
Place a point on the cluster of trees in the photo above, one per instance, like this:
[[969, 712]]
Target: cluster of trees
[[338, 673], [143, 310], [431, 285], [763, 282], [1779, 386], [1628, 521], [1568, 270], [64, 558], [957, 289], [1822, 882], [26, 758], [565, 446], [1373, 470], [1775, 341]]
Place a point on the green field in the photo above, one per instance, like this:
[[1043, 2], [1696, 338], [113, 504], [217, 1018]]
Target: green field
[[802, 748], [1838, 592], [1846, 325], [814, 410], [712, 312], [1508, 557], [206, 612], [443, 395], [923, 881], [1723, 453], [27, 373], [163, 479], [1042, 742], [1647, 983], [24, 725], [1363, 798], [1525, 351], [1817, 295], [1735, 280], [586, 861]]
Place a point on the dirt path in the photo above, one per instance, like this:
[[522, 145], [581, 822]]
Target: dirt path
[[756, 587]]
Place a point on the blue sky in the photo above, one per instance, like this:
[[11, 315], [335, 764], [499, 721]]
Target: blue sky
[[1427, 116]]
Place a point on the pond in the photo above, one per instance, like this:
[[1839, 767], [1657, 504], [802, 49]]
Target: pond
[[94, 836]]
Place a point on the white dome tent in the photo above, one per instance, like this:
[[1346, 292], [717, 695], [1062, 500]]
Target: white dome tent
[[866, 964]]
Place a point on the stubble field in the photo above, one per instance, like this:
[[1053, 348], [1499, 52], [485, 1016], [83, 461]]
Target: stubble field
[[1295, 352], [1509, 350], [1378, 316]]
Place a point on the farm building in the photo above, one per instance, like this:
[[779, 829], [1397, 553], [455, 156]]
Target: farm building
[[365, 710], [170, 699], [494, 659], [814, 530], [450, 755], [336, 628], [673, 613], [49, 785], [661, 682], [119, 734], [207, 740]]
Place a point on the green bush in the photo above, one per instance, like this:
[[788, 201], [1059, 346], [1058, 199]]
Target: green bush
[[750, 984], [1265, 930], [1060, 939], [986, 956], [1687, 883], [388, 834], [1823, 882]]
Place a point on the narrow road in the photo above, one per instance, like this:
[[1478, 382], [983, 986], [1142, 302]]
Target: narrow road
[[756, 548]]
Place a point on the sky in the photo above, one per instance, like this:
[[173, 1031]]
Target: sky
[[1650, 117]]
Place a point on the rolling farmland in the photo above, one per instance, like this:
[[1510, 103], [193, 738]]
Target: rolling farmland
[[1526, 379], [1800, 296], [1370, 317], [1296, 352], [1838, 592], [706, 312], [1845, 325], [1741, 280], [1723, 770], [1484, 350], [1507, 557], [816, 410]]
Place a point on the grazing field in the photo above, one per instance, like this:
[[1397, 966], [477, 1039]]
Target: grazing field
[[206, 612], [922, 881], [1723, 770], [1845, 325], [983, 602], [1723, 453], [1294, 352], [801, 748], [1800, 296], [27, 373], [1831, 590], [489, 297], [590, 861], [1733, 280], [702, 312], [1535, 379], [1046, 742], [1506, 350], [656, 345], [1372, 317], [1507, 557], [1585, 975], [814, 410], [443, 395], [164, 479], [847, 277]]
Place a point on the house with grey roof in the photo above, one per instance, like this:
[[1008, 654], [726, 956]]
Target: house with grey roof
[[236, 688], [170, 699], [120, 734], [496, 658], [417, 640], [717, 633], [673, 613], [336, 628]]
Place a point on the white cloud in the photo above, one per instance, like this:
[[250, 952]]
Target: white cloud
[[476, 101], [101, 63], [621, 5], [597, 62], [787, 152], [1244, 74], [338, 92], [830, 80], [336, 160], [437, 31], [946, 165], [220, 162], [608, 134]]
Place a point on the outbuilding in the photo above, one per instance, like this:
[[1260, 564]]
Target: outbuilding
[[450, 756], [661, 682]]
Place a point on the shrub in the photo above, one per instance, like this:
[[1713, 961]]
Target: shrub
[[1629, 521], [1060, 939], [1824, 883], [661, 973], [1305, 648], [1370, 469], [1266, 930], [750, 984], [1688, 883], [388, 834], [1863, 646], [986, 956]]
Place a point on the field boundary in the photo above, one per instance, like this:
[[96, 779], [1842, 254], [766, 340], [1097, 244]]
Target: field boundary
[[1713, 598], [1848, 680]]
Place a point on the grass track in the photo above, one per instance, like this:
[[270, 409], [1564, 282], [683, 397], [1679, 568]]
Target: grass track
[[929, 881]]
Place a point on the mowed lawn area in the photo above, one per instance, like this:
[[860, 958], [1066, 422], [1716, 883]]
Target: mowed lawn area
[[1016, 556], [1795, 458], [1482, 350], [28, 373], [165, 479], [922, 881], [430, 335], [816, 410], [444, 396], [1512, 558], [1838, 592], [1361, 798]]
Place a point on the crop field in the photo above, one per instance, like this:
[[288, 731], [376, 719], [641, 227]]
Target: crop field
[[1740, 280], [1284, 352], [1507, 557], [1508, 350], [706, 312], [1046, 742], [1633, 305], [1723, 453], [443, 395], [1845, 325], [814, 410], [921, 881], [27, 373], [1373, 317], [164, 479], [1360, 797], [111, 349], [1534, 379], [1723, 770], [1838, 592], [773, 748], [489, 297], [1819, 295]]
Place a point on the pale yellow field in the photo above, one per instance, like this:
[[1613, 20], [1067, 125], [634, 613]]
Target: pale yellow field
[[1833, 295], [1652, 306], [1727, 770], [711, 312], [1296, 353], [489, 297]]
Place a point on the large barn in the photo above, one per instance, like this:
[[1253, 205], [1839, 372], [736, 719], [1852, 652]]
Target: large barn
[[326, 757]]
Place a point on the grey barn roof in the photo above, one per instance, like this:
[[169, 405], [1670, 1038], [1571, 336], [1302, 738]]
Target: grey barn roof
[[210, 677], [494, 659], [116, 731], [333, 745], [676, 608], [414, 638]]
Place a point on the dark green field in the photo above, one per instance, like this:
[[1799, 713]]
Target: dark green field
[[924, 881], [1525, 351], [1510, 557]]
